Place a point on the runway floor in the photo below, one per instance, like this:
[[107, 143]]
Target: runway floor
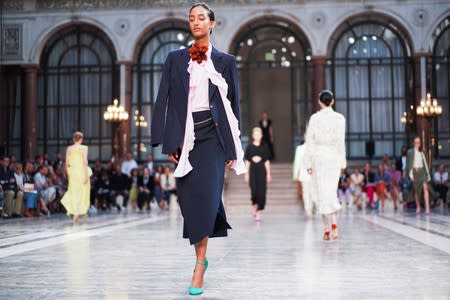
[[142, 256]]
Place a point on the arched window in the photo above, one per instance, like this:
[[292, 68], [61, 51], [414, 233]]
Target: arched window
[[369, 72], [151, 55], [76, 83], [274, 59], [441, 85]]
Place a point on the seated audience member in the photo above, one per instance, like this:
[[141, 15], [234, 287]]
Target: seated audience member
[[440, 182], [395, 178], [133, 188], [60, 181], [401, 161], [128, 164], [59, 161], [20, 181], [386, 163], [356, 186], [38, 162], [12, 162], [47, 192], [168, 186], [157, 191], [344, 187], [118, 185], [31, 195], [104, 192], [149, 164], [369, 184], [97, 169], [146, 184], [46, 158], [12, 197], [382, 184]]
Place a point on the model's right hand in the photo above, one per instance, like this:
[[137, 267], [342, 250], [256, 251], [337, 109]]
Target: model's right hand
[[173, 157]]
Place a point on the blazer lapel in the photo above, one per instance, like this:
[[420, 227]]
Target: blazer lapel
[[217, 59], [184, 56]]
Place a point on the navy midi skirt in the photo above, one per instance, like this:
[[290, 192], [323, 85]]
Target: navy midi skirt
[[200, 191]]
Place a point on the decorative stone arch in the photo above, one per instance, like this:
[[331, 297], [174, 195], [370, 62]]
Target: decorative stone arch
[[353, 19], [428, 40], [356, 16], [439, 65], [432, 37], [78, 78], [270, 15], [370, 69], [154, 28], [47, 34], [149, 55], [274, 61]]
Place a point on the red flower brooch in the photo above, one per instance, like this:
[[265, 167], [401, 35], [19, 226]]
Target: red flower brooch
[[198, 53]]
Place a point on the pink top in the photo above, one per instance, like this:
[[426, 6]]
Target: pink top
[[396, 176], [200, 86]]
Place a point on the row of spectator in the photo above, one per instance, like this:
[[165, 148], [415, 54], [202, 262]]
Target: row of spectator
[[388, 181], [36, 188]]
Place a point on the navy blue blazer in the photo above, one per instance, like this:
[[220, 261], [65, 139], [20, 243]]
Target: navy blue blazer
[[169, 113]]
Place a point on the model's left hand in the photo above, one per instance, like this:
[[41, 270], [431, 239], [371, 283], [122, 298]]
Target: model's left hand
[[269, 177], [228, 163]]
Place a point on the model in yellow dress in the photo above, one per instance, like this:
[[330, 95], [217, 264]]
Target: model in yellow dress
[[77, 198]]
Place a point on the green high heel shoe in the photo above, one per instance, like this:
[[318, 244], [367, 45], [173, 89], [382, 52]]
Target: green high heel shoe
[[198, 291]]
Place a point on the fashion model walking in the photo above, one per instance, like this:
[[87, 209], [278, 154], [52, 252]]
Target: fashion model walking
[[325, 159], [196, 119], [77, 198]]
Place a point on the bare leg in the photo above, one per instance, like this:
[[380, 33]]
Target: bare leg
[[325, 222], [43, 206], [334, 225], [334, 218], [199, 271], [255, 209], [395, 198], [257, 215], [416, 196], [75, 219], [326, 233], [426, 197]]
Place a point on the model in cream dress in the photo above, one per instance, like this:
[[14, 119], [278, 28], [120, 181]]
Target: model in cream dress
[[325, 157]]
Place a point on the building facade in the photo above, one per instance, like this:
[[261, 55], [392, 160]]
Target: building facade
[[63, 62]]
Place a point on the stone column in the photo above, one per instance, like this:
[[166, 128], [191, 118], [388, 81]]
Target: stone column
[[29, 117], [319, 78], [125, 100]]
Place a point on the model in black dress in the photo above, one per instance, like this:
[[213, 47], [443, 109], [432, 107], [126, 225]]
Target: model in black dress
[[257, 160]]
